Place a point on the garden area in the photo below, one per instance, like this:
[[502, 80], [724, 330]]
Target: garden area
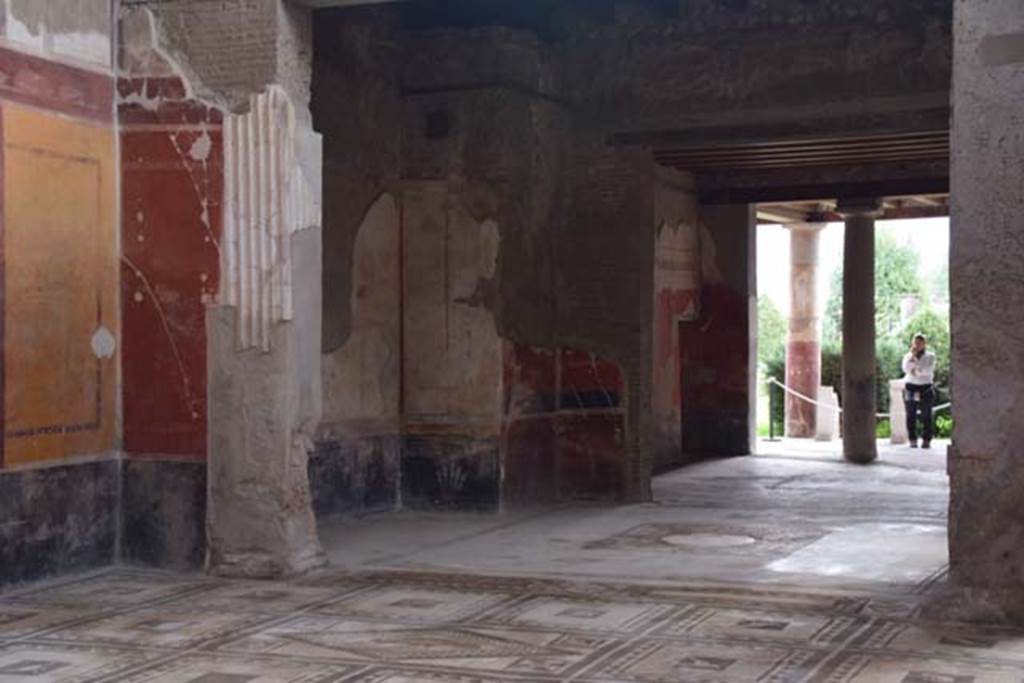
[[905, 303]]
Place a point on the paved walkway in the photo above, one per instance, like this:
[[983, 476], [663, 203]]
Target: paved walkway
[[790, 566]]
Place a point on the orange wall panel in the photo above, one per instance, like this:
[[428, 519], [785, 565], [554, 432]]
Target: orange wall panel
[[61, 285]]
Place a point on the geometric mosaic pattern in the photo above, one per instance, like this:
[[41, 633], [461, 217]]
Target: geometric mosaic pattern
[[400, 627]]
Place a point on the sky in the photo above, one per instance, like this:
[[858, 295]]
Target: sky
[[928, 236]]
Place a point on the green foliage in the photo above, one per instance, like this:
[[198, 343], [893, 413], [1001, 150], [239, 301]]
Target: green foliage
[[938, 284], [832, 325], [771, 356], [943, 426], [888, 365], [883, 430], [888, 358], [776, 367], [771, 332], [832, 367], [895, 278]]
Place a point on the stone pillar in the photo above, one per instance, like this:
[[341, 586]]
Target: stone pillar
[[264, 344], [859, 404], [803, 343], [263, 328], [718, 350], [986, 469]]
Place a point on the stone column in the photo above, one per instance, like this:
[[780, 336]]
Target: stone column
[[859, 330], [803, 343], [986, 556], [264, 344]]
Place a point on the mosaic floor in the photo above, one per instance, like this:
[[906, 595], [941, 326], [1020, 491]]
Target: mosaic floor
[[132, 625], [767, 569]]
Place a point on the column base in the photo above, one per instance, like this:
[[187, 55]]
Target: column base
[[860, 457], [265, 565]]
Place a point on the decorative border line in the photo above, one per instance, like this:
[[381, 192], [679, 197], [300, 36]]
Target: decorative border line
[[65, 89]]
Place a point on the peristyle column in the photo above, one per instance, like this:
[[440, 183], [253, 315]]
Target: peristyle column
[[803, 342], [859, 329]]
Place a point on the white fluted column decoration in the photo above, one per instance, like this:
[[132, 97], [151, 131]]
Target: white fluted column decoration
[[264, 343], [267, 199]]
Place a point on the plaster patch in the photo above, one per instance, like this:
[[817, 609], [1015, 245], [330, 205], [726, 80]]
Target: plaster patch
[[140, 99], [143, 53], [61, 16], [200, 150], [1002, 50], [79, 29], [20, 32], [103, 342], [490, 242], [89, 47]]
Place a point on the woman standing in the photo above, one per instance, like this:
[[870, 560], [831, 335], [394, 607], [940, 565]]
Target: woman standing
[[919, 392]]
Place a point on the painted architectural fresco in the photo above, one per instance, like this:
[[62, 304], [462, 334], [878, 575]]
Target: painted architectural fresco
[[362, 378], [564, 432], [60, 317], [171, 218], [60, 303], [452, 348], [483, 420], [452, 355], [676, 299], [356, 464]]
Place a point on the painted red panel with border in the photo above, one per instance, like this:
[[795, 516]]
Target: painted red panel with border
[[172, 190]]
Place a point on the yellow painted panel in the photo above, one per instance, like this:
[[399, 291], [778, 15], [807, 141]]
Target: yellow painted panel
[[61, 279]]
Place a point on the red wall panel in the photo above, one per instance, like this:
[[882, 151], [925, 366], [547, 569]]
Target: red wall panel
[[171, 195]]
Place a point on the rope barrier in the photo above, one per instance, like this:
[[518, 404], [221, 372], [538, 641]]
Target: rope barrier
[[808, 399]]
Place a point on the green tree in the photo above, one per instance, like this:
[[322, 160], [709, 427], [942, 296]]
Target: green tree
[[771, 332], [895, 278], [832, 325], [938, 285], [771, 354]]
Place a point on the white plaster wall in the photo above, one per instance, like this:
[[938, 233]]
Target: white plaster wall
[[74, 30]]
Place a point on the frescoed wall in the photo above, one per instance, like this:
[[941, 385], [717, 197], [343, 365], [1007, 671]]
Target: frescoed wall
[[59, 293], [172, 171], [60, 280], [60, 333], [356, 464], [677, 279], [718, 358], [172, 186], [452, 354], [564, 427]]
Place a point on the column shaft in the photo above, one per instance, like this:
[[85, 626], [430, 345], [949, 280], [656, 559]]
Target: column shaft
[[859, 404], [803, 342]]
